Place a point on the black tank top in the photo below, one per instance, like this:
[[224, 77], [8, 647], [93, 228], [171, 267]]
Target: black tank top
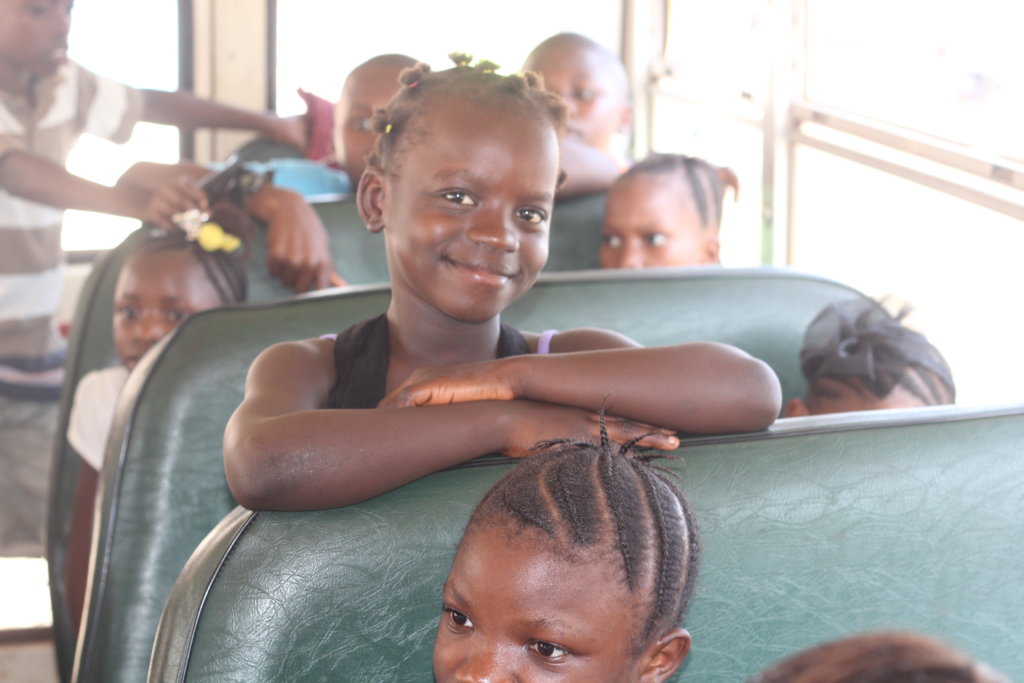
[[361, 361]]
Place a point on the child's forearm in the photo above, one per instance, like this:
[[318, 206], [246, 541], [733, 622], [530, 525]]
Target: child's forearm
[[697, 388], [41, 180], [182, 108], [328, 458]]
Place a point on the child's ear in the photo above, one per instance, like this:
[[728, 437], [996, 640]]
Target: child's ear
[[626, 119], [370, 198], [663, 657], [711, 248], [795, 407]]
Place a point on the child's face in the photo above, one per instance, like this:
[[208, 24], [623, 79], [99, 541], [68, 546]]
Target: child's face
[[590, 84], [465, 208], [651, 220], [515, 611], [155, 292], [33, 36], [368, 86]]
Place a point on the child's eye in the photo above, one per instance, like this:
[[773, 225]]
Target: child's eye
[[584, 94], [459, 197], [457, 618], [362, 124], [549, 650], [613, 241], [127, 312], [657, 239], [534, 216]]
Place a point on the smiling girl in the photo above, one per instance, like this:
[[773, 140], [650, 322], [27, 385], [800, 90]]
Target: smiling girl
[[462, 184]]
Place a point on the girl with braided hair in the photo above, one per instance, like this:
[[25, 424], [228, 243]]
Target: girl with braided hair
[[665, 211], [578, 565], [462, 184]]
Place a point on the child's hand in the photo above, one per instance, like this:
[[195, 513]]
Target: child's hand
[[174, 197], [538, 422], [443, 384], [298, 250]]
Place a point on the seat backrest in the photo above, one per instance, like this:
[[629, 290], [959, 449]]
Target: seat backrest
[[163, 486], [575, 237], [817, 529], [90, 347]]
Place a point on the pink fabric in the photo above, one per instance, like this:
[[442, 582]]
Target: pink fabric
[[319, 126]]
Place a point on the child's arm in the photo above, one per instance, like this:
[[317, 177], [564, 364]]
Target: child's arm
[[41, 180], [298, 252], [587, 170], [699, 388], [180, 108], [283, 450]]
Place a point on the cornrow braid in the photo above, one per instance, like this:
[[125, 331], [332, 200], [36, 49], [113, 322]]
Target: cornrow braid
[[594, 496], [705, 181], [396, 123]]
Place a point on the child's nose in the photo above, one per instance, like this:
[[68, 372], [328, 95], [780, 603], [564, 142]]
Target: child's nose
[[61, 26], [484, 665], [153, 328], [633, 255], [494, 231]]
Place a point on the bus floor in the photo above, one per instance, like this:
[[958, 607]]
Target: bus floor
[[26, 639]]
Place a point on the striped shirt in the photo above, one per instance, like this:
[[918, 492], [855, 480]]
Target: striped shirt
[[68, 103]]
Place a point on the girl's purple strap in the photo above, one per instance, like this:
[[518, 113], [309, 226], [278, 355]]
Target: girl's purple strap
[[544, 341], [333, 336]]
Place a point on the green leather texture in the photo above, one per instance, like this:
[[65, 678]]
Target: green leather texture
[[163, 487], [819, 528]]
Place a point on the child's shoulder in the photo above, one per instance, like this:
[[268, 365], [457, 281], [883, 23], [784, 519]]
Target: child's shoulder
[[579, 339], [303, 362]]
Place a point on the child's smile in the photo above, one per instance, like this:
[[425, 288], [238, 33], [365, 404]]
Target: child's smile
[[465, 212]]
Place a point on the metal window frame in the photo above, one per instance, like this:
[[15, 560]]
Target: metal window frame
[[786, 110]]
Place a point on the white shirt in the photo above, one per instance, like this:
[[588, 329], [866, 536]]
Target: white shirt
[[92, 412]]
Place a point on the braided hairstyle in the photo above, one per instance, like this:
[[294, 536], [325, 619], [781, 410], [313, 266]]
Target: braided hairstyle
[[705, 181], [225, 270], [584, 496], [858, 342], [479, 84]]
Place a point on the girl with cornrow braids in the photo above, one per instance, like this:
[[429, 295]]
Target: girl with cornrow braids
[[578, 564], [462, 185], [665, 211]]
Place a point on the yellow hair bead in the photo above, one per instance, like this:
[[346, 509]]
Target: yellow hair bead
[[212, 237], [387, 129]]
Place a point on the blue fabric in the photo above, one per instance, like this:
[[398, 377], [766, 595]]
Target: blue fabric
[[306, 177]]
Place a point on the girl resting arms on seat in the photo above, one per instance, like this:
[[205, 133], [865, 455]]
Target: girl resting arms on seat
[[462, 184]]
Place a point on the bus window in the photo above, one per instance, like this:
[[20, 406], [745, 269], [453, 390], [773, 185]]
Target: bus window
[[882, 146], [320, 41], [953, 70], [146, 57]]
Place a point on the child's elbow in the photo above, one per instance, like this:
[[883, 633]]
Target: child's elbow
[[761, 398], [249, 468]]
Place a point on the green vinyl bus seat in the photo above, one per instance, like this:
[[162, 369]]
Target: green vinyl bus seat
[[821, 527], [163, 488]]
